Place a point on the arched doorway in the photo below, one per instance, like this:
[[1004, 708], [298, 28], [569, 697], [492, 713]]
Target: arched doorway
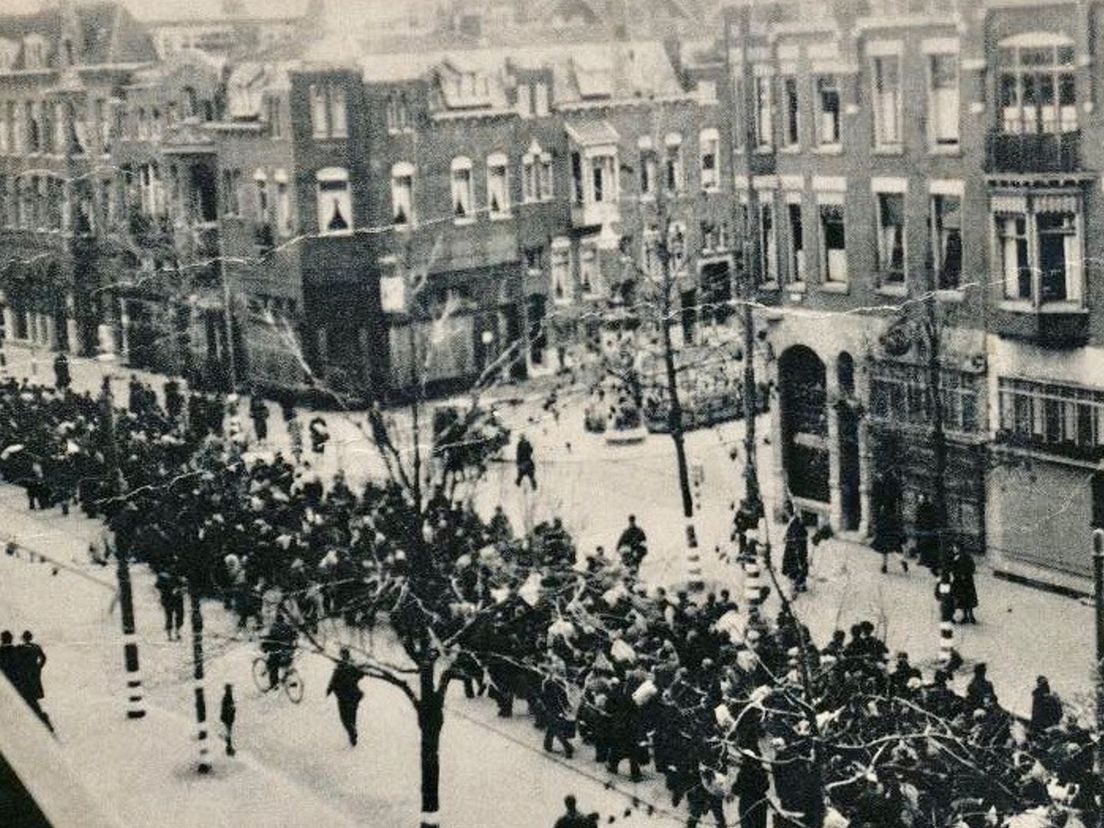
[[804, 418], [848, 419]]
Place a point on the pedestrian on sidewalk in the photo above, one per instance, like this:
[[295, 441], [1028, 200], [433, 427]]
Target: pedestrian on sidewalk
[[227, 715], [526, 465], [28, 660], [258, 412], [963, 590], [795, 555], [345, 684], [927, 534], [172, 603], [62, 379], [888, 531]]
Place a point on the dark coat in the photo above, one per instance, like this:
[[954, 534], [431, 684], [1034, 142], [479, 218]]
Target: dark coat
[[962, 587], [927, 540], [795, 555], [345, 683], [1046, 709]]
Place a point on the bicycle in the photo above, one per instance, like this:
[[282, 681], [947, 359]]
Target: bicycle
[[288, 678]]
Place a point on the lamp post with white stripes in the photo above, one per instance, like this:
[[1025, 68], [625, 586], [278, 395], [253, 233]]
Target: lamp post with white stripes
[[204, 764], [1098, 600], [135, 704]]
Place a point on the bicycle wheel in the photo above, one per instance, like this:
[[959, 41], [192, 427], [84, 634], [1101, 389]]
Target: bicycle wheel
[[260, 674], [293, 685]]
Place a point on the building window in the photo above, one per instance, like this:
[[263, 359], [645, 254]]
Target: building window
[[60, 132], [1040, 251], [647, 171], [1062, 419], [498, 185], [887, 101], [603, 179], [790, 113], [561, 271], [275, 117], [576, 178], [524, 103], [1037, 89], [797, 243], [901, 393], [764, 119], [536, 175], [943, 100], [588, 269], [34, 126], [710, 146], [768, 242], [335, 201], [534, 258], [283, 203], [402, 194], [5, 130], [463, 198], [540, 99], [398, 118], [833, 242], [946, 223], [673, 176], [891, 238], [329, 117], [545, 178], [827, 110], [34, 52], [320, 119], [264, 208]]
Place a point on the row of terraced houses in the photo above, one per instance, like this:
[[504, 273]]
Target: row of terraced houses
[[357, 212]]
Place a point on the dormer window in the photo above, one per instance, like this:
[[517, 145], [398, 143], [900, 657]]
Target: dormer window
[[329, 118]]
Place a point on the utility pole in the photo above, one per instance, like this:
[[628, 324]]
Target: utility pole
[[135, 705], [1098, 596]]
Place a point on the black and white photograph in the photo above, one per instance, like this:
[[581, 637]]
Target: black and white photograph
[[551, 413]]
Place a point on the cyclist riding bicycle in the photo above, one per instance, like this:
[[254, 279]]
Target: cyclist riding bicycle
[[279, 647]]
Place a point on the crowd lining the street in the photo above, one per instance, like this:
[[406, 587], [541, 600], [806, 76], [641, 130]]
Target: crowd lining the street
[[727, 707]]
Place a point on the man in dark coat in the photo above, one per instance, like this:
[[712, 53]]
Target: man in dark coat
[[572, 818], [7, 658], [62, 380], [927, 537], [962, 587], [526, 465], [258, 412], [888, 532], [29, 659], [1046, 707], [795, 555], [174, 400], [632, 545], [172, 603], [558, 724], [345, 684]]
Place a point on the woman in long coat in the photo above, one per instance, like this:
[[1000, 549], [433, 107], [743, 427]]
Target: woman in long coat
[[962, 587]]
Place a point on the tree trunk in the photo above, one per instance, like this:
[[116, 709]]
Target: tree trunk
[[431, 717]]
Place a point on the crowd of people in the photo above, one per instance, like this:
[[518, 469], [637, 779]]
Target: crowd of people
[[725, 704]]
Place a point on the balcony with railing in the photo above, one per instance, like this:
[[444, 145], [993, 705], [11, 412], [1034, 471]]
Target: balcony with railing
[[1042, 152]]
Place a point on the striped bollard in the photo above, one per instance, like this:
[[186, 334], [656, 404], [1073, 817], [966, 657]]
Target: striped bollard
[[946, 622], [136, 708]]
